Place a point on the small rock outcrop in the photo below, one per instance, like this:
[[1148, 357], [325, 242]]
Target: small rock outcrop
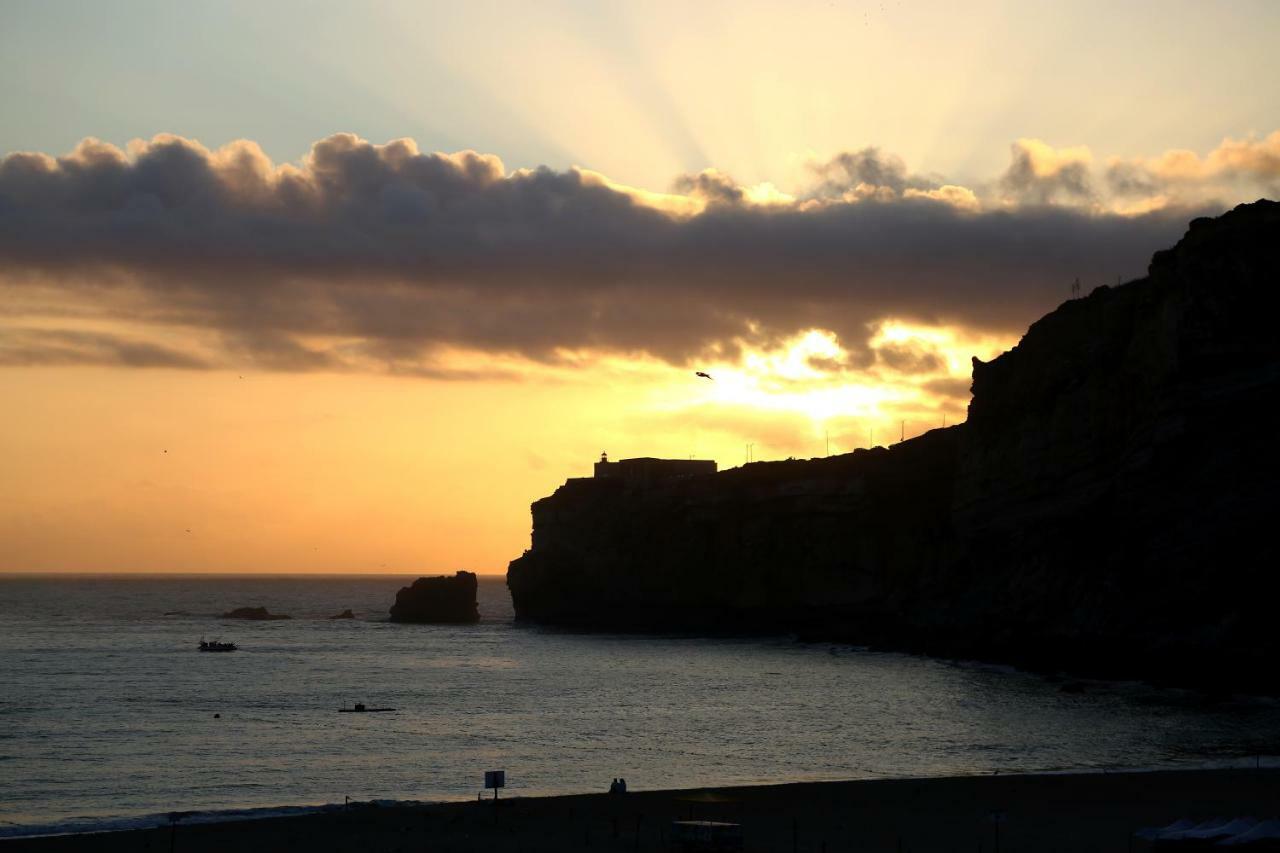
[[254, 614], [441, 599], [346, 614]]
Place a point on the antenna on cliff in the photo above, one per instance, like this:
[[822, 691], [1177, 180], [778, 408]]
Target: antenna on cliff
[[826, 434], [902, 432]]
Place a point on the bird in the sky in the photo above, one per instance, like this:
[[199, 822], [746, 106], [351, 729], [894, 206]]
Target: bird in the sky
[[703, 375]]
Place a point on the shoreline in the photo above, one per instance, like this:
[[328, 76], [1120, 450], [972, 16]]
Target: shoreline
[[1057, 810]]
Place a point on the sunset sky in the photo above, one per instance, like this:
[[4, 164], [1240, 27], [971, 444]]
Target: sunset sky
[[314, 287]]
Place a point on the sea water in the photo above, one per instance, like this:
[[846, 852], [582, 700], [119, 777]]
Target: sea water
[[107, 710]]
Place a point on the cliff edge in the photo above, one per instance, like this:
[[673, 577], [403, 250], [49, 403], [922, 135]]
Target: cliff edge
[[1105, 509]]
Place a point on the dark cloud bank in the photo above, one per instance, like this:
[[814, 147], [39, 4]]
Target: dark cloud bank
[[381, 253]]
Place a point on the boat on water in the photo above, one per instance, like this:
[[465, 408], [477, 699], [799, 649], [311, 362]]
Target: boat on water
[[216, 646], [361, 709]]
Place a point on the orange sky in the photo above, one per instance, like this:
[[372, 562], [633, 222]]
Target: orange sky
[[106, 469]]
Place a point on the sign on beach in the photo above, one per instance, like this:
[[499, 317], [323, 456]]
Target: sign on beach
[[495, 779]]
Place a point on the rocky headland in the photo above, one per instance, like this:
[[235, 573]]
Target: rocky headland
[[441, 599], [1106, 509]]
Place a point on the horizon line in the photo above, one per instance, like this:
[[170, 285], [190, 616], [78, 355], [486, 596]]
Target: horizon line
[[25, 573]]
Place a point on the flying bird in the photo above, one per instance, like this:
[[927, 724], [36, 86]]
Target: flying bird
[[703, 375]]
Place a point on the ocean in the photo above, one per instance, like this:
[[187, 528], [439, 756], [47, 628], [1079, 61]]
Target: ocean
[[107, 711]]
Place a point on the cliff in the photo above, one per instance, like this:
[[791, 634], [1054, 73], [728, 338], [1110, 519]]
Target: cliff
[[1105, 509], [439, 599]]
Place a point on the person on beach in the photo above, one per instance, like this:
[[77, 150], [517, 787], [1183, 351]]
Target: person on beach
[[613, 786]]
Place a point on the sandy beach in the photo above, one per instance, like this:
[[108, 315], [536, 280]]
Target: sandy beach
[[1049, 813]]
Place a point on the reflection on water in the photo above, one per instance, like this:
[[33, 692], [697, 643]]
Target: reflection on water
[[108, 709]]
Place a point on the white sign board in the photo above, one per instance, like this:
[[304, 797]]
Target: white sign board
[[495, 778]]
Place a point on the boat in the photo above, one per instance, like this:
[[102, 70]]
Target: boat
[[215, 646], [361, 709]]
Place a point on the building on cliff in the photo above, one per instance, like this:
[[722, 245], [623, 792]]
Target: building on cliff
[[646, 470]]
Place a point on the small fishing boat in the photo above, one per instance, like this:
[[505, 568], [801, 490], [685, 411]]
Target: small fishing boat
[[215, 646], [361, 709]]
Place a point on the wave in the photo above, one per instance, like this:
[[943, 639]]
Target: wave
[[161, 819]]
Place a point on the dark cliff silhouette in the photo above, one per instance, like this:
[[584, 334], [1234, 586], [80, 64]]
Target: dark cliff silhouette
[[1107, 508], [438, 599]]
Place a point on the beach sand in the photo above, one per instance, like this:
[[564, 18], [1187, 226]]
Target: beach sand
[[1046, 813]]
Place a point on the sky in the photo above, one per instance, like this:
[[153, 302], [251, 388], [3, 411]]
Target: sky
[[322, 287]]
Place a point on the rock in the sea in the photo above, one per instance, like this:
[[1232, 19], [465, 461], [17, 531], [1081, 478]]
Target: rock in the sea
[[255, 614], [1108, 508], [438, 599], [346, 614]]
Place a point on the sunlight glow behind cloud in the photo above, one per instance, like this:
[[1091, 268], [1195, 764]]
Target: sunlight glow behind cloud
[[381, 257]]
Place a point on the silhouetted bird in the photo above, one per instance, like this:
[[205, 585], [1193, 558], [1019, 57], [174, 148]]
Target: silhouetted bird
[[703, 375]]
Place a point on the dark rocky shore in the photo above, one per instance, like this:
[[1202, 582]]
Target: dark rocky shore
[[1106, 509]]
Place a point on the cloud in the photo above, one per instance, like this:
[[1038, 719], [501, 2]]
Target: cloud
[[710, 186], [962, 198], [910, 358], [826, 364], [1042, 174], [1259, 158], [1131, 179], [953, 388], [855, 174], [1249, 162], [363, 255], [41, 347]]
